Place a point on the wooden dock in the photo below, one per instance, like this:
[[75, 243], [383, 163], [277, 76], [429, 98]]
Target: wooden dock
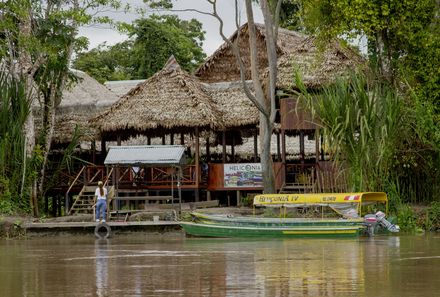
[[89, 227]]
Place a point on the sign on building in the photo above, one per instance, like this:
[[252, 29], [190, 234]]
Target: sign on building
[[246, 175]]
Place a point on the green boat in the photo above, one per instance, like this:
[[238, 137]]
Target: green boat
[[219, 230], [347, 205], [273, 222]]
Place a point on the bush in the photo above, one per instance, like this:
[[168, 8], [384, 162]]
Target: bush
[[406, 218], [432, 222]]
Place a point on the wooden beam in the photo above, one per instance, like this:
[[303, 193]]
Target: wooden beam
[[197, 156], [224, 145], [301, 146], [233, 149], [278, 147], [256, 146], [208, 152]]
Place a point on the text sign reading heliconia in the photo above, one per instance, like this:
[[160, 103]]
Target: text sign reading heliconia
[[243, 175]]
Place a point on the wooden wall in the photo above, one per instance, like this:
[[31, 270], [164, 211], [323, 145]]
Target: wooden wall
[[294, 116]]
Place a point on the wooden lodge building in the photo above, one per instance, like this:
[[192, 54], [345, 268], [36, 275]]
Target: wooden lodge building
[[210, 115]]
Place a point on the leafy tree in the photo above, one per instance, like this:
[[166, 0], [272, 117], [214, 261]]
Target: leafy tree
[[158, 37], [152, 41], [37, 40], [108, 62]]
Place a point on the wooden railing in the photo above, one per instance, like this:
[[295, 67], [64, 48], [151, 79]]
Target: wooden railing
[[158, 176]]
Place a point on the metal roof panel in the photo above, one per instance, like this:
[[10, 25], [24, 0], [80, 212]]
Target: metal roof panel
[[150, 155]]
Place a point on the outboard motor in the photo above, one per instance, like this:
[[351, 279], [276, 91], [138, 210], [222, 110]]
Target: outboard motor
[[390, 227], [370, 221]]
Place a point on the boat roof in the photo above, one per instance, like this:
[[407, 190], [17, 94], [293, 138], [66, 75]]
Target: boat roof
[[318, 198]]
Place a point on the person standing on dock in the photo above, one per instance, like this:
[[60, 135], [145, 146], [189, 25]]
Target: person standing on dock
[[101, 202]]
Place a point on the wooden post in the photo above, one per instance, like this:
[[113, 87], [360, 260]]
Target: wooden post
[[148, 140], [278, 147], [103, 149], [283, 154], [316, 145], [208, 153], [172, 138], [93, 146], [301, 147], [256, 146], [233, 149], [224, 145], [163, 140], [182, 139], [238, 197], [197, 156], [118, 140]]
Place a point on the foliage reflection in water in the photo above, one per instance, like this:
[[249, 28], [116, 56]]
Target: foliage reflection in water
[[171, 265]]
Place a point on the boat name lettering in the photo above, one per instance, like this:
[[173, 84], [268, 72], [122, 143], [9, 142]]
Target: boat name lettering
[[329, 199], [273, 199]]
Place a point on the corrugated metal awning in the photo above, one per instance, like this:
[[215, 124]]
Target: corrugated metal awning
[[147, 155]]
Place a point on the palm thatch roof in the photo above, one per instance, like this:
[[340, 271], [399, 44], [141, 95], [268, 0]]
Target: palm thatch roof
[[122, 87], [171, 100], [236, 108], [85, 98], [317, 67], [296, 51], [221, 65]]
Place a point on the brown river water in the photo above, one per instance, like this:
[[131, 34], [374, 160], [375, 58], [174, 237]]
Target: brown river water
[[143, 264]]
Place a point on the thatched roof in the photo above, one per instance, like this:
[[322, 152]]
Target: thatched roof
[[317, 67], [236, 108], [85, 98], [171, 100], [122, 87], [295, 51], [221, 65]]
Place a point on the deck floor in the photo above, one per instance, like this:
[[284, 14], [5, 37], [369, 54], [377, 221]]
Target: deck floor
[[93, 224]]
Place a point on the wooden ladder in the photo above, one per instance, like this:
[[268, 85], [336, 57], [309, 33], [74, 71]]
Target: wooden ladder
[[85, 200]]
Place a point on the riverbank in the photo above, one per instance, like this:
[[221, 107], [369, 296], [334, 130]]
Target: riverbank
[[150, 221], [26, 226]]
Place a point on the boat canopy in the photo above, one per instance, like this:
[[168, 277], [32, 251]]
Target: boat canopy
[[293, 200], [348, 204]]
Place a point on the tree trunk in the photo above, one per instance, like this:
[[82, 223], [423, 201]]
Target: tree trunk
[[266, 157], [55, 97], [267, 118], [26, 69]]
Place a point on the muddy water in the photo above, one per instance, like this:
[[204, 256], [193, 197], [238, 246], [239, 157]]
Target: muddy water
[[172, 265]]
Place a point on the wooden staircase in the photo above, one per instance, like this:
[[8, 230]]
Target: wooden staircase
[[305, 184], [85, 200]]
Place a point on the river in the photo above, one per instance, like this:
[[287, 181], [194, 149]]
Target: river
[[169, 264]]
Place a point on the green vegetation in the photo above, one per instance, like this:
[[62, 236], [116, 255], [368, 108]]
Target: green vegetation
[[384, 129], [14, 171], [152, 41]]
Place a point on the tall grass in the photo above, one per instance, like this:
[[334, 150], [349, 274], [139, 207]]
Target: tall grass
[[14, 109], [361, 118]]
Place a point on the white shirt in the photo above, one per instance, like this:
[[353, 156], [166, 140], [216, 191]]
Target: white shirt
[[98, 193]]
